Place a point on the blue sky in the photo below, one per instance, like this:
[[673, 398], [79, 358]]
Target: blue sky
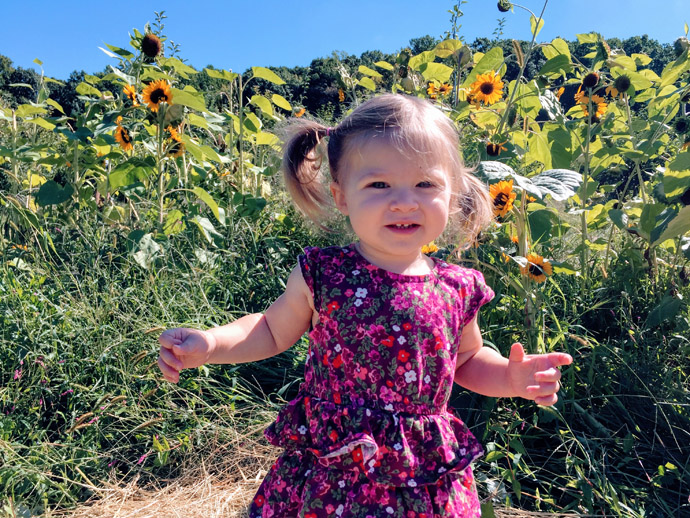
[[236, 35]]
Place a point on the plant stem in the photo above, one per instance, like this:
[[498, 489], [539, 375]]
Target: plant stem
[[584, 256], [161, 177]]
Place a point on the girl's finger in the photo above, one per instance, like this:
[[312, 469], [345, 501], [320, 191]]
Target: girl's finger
[[169, 373], [558, 359], [552, 374], [546, 400], [543, 389], [167, 339], [170, 359]]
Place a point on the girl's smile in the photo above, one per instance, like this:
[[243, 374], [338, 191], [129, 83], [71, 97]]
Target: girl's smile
[[396, 205]]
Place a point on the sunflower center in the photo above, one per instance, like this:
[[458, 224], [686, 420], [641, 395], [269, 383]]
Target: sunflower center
[[124, 134], [487, 88], [500, 200], [158, 96], [535, 270]]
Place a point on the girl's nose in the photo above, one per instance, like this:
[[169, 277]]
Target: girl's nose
[[404, 201]]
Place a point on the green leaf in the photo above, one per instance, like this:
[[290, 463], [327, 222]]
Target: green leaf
[[591, 37], [208, 230], [527, 99], [540, 223], [38, 121], [427, 56], [114, 214], [493, 170], [679, 226], [130, 172], [367, 83], [281, 102], [661, 225], [55, 105], [252, 122], [673, 70], [556, 48], [263, 104], [87, 89], [538, 150], [182, 69], [436, 72], [619, 218], [120, 52], [369, 72], [648, 218], [268, 75], [384, 65], [536, 25], [147, 251], [52, 193], [247, 206], [666, 310], [189, 98], [196, 120], [447, 48], [556, 66], [221, 74], [676, 178], [561, 184], [492, 60], [28, 110], [208, 200], [264, 138]]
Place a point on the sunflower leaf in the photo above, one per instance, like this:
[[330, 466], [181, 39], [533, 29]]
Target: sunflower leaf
[[281, 102], [536, 25], [492, 170], [268, 75], [436, 72], [561, 184], [492, 60], [189, 98]]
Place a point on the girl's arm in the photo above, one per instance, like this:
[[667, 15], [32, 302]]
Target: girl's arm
[[250, 338], [483, 370]]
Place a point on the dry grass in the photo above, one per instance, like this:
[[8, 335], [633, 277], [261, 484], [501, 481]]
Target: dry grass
[[218, 483]]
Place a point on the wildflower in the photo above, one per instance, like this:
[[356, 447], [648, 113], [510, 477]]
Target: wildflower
[[430, 248], [619, 86], [123, 137], [142, 458], [301, 112], [445, 89], [487, 88], [156, 93], [537, 268], [432, 91], [131, 93], [151, 45], [503, 196], [591, 80], [494, 149], [341, 95]]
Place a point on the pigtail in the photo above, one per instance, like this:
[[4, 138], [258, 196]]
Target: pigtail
[[475, 208], [302, 161]]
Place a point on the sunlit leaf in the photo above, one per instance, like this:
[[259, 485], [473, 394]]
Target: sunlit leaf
[[676, 178], [86, 89], [384, 65], [38, 121], [181, 68], [536, 25], [263, 104], [427, 56], [436, 72], [147, 251], [673, 70], [190, 98], [492, 60], [556, 66], [28, 110], [208, 200], [221, 74], [268, 75], [281, 102], [369, 72], [367, 83], [448, 48], [119, 52], [678, 226]]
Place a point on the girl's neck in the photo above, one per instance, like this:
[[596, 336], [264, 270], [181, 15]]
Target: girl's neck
[[418, 264]]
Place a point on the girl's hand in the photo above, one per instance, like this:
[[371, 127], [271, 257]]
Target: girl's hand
[[183, 348], [535, 376]]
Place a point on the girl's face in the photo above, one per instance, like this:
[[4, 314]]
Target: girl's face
[[396, 205]]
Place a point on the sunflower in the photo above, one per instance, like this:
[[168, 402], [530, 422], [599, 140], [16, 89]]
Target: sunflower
[[591, 80], [597, 101], [560, 92], [445, 89], [430, 248], [495, 149], [151, 45], [487, 87], [175, 148], [130, 92], [123, 138], [432, 91], [301, 112], [579, 94], [619, 86], [537, 267], [156, 93], [173, 133], [503, 196]]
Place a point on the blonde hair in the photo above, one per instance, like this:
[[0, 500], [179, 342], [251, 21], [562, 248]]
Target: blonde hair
[[413, 126]]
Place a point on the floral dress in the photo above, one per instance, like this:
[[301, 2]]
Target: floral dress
[[369, 434]]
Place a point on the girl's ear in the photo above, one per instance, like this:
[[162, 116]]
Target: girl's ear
[[339, 197]]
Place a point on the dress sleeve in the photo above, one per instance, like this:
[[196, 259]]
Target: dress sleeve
[[476, 295], [308, 264]]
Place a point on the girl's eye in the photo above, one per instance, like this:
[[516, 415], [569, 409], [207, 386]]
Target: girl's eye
[[425, 185], [378, 185]]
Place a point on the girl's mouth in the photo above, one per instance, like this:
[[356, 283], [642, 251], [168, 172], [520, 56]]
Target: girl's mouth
[[403, 227]]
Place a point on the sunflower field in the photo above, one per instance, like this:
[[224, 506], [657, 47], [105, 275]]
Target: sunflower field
[[149, 202]]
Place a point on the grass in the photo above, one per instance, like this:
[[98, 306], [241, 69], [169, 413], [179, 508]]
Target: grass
[[86, 418]]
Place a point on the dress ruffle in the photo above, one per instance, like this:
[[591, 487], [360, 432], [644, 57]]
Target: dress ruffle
[[391, 448]]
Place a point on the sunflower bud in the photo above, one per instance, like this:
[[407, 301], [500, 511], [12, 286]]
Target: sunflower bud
[[591, 80], [504, 5], [622, 83], [493, 149], [151, 45], [682, 125], [681, 45]]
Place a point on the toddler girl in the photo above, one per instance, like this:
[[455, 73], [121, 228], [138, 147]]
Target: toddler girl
[[390, 328]]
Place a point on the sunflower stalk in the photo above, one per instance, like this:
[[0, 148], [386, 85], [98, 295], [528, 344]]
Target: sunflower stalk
[[530, 306], [159, 164], [530, 48]]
